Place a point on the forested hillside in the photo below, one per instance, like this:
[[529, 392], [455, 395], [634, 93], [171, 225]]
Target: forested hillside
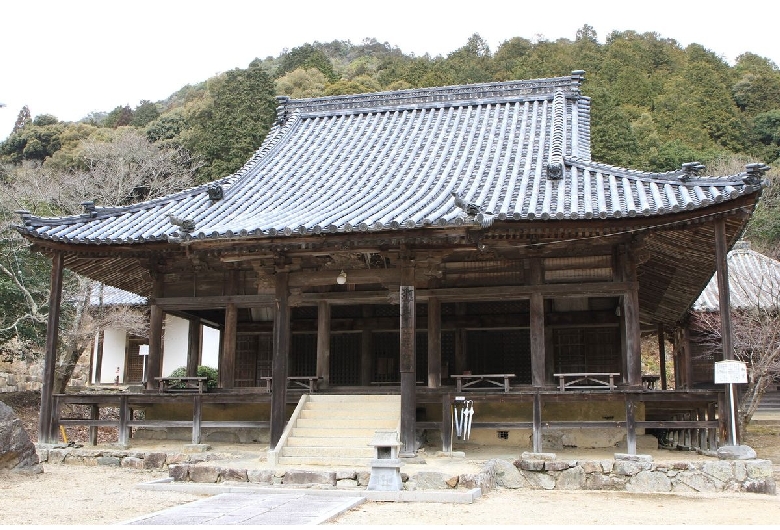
[[655, 105]]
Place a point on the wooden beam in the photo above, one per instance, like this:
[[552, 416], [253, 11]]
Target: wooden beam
[[355, 276], [434, 342], [185, 303], [45, 424], [323, 343], [281, 356]]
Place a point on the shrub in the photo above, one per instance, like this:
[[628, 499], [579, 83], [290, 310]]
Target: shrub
[[208, 372]]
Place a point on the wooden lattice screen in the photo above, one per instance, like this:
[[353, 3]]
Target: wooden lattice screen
[[345, 353], [303, 355], [595, 350], [506, 351], [135, 363], [253, 358]]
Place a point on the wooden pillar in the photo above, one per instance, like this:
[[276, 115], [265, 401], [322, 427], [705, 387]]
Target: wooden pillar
[[281, 357], [366, 350], [538, 362], [434, 342], [193, 347], [94, 414], [197, 413], [446, 423], [407, 361], [46, 432], [124, 416], [537, 427], [323, 343], [227, 361], [630, 426], [662, 355], [633, 360], [724, 293], [99, 356], [154, 359]]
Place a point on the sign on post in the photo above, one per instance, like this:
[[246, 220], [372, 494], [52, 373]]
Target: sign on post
[[730, 372]]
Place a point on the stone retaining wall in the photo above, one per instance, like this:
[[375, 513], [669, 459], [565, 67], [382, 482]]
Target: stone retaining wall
[[532, 471], [20, 376]]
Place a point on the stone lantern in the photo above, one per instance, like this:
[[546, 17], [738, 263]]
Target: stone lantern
[[386, 466]]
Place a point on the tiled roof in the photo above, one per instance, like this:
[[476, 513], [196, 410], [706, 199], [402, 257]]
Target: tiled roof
[[754, 281], [113, 296], [388, 161]]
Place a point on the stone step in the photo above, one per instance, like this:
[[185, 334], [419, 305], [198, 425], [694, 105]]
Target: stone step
[[325, 461], [352, 398], [337, 434], [339, 413], [328, 452], [341, 441], [327, 423], [346, 405]]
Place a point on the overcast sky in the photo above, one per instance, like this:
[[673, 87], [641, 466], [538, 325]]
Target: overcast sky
[[72, 57]]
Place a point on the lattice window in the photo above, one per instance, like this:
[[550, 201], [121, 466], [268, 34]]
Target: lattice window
[[387, 310], [253, 358], [505, 351], [303, 354], [587, 350], [135, 363], [497, 308], [386, 356], [346, 311], [345, 353]]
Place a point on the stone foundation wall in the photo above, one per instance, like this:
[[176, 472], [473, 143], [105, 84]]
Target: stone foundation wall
[[629, 473], [20, 376]]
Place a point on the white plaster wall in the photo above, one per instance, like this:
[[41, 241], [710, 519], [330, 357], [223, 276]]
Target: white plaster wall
[[210, 347], [114, 342], [175, 343]]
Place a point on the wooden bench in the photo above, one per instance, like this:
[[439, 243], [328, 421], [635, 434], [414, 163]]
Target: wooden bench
[[467, 381], [181, 384], [308, 382], [586, 381]]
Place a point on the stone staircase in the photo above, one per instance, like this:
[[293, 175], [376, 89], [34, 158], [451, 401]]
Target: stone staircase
[[336, 430]]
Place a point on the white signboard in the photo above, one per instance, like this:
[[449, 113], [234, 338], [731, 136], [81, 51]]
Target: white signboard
[[730, 372], [143, 349]]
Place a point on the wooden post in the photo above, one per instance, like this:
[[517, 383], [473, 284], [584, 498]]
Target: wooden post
[[631, 322], [434, 342], [197, 412], [193, 347], [99, 356], [46, 432], [630, 426], [446, 423], [407, 361], [227, 363], [154, 359], [662, 355], [537, 428], [94, 414], [281, 355], [323, 343], [124, 430], [724, 293], [538, 362]]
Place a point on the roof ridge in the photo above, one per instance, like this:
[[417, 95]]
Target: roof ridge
[[477, 92]]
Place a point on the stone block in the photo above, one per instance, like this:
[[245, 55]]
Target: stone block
[[177, 458], [363, 477], [346, 475], [204, 474], [179, 472], [109, 461], [629, 468], [431, 480], [689, 481], [507, 475], [301, 477], [260, 476], [530, 465], [17, 452], [557, 465], [633, 458], [649, 482], [476, 480], [589, 466], [736, 452], [598, 481], [759, 469], [767, 486], [154, 460], [452, 482], [539, 481], [571, 479], [132, 462], [347, 483], [722, 471], [229, 474], [538, 456], [196, 448]]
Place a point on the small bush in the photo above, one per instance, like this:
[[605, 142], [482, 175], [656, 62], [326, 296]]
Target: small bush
[[208, 372]]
